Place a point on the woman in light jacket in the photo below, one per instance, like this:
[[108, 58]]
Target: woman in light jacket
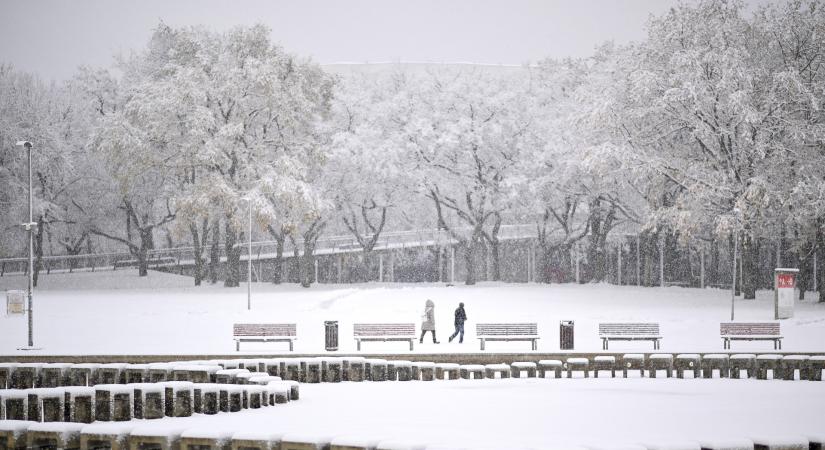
[[428, 321]]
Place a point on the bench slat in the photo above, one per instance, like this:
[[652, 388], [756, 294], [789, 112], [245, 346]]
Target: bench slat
[[507, 329], [749, 329], [265, 329]]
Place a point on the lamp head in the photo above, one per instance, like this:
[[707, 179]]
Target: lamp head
[[25, 144]]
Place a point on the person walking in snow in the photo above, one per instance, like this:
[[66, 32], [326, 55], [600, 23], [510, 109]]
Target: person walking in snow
[[460, 318], [428, 321]]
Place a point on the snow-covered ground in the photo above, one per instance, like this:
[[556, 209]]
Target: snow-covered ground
[[121, 313]]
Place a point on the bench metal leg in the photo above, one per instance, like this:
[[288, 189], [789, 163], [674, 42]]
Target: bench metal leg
[[358, 341], [482, 344], [237, 346], [411, 344], [535, 345], [290, 345]]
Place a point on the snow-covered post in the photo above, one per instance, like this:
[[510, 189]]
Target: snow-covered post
[[380, 268], [316, 270]]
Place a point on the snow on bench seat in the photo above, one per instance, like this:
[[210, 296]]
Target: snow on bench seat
[[630, 331], [750, 331], [383, 332], [507, 332], [264, 332]]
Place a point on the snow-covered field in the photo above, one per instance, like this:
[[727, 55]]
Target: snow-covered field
[[120, 313]]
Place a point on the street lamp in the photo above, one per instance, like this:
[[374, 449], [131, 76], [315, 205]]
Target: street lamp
[[29, 227]]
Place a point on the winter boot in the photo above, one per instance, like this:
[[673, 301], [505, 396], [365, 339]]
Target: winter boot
[[434, 341]]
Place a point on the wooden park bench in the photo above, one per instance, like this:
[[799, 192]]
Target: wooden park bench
[[629, 332], [384, 332], [157, 261], [750, 331], [507, 332], [263, 332]]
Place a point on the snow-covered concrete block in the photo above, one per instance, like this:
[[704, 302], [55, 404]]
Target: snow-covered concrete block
[[577, 364], [278, 393], [292, 369], [229, 363], [13, 434], [334, 371], [793, 364], [162, 436], [471, 371], [353, 443], [294, 441], [109, 435], [114, 402], [377, 370], [403, 370], [815, 367], [178, 398], [110, 373], [206, 398], [54, 375], [392, 371], [228, 376], [491, 370], [604, 362], [272, 366], [742, 361], [294, 389], [255, 396], [15, 404], [205, 439], [769, 362], [313, 371], [660, 361], [356, 371], [230, 398], [255, 440], [549, 365], [135, 373], [715, 361], [54, 435], [427, 370], [160, 372], [83, 374], [80, 403], [252, 365], [452, 371], [633, 361], [727, 444], [691, 362], [262, 380], [149, 400], [393, 444], [47, 404], [780, 443], [345, 365], [25, 376], [6, 372], [529, 368]]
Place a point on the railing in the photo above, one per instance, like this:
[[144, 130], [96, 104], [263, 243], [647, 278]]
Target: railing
[[260, 250]]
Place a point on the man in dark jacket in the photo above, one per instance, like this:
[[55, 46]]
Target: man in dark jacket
[[460, 318]]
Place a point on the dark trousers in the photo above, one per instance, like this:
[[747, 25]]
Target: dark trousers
[[423, 332], [459, 329]]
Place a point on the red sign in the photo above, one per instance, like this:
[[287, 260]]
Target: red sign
[[785, 280]]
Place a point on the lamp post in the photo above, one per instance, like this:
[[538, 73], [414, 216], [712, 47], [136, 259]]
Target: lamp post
[[29, 227]]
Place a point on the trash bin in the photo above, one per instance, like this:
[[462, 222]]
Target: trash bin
[[566, 334], [331, 335]]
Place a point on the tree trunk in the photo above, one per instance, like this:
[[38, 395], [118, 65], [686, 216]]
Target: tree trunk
[[38, 250], [215, 252], [198, 244], [712, 267], [146, 244], [308, 263], [278, 274], [820, 266], [750, 269], [233, 256]]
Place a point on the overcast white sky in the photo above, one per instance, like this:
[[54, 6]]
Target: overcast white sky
[[53, 37]]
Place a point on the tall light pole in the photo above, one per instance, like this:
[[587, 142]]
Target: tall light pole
[[29, 227]]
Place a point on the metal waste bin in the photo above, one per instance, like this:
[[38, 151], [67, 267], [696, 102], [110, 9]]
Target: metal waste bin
[[331, 335], [566, 334]]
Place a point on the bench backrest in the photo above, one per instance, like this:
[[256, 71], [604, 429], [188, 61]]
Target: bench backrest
[[749, 328], [629, 329], [383, 329], [264, 329], [506, 329]]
